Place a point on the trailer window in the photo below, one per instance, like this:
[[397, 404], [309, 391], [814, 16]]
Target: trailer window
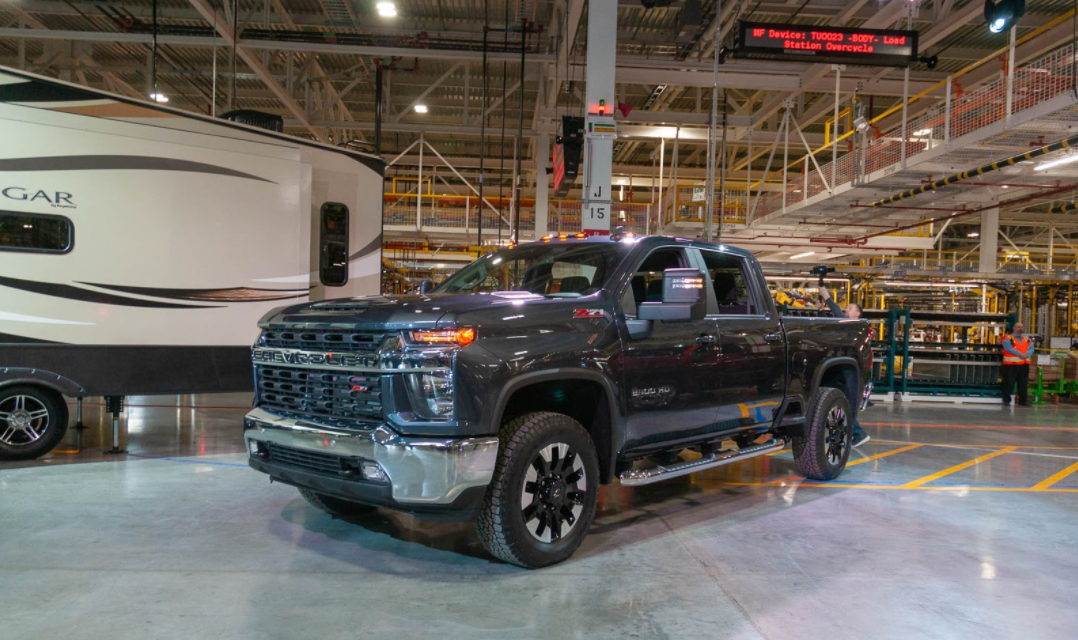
[[333, 245], [35, 233]]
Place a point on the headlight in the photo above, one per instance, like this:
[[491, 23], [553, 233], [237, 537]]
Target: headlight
[[444, 337], [430, 394]]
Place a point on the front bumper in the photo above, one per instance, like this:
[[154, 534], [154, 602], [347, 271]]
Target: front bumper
[[419, 474]]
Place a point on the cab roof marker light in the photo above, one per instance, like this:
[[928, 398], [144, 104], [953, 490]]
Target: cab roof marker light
[[563, 236], [545, 238], [581, 235]]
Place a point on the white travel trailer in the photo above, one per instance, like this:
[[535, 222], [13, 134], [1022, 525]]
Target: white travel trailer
[[139, 246]]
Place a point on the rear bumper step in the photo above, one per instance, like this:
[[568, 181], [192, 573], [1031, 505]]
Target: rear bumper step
[[636, 477]]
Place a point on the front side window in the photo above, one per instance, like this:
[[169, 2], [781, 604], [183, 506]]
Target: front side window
[[333, 260], [728, 280], [35, 233], [646, 284], [552, 270]]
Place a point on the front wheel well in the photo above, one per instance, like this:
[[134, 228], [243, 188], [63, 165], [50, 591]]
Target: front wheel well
[[583, 400]]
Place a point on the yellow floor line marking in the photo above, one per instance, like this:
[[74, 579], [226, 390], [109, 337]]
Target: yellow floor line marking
[[850, 464], [965, 445], [956, 468], [835, 485], [1047, 482], [882, 455]]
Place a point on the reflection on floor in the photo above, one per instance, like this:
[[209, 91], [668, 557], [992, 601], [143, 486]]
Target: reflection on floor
[[953, 522]]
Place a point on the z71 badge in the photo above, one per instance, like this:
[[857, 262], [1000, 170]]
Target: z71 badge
[[587, 313]]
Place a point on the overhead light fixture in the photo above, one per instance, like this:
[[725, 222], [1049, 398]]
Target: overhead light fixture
[[803, 255], [973, 234], [1003, 13], [1056, 163], [158, 97], [387, 9], [421, 108], [923, 132]]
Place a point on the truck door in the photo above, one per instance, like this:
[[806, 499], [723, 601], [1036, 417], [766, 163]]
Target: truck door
[[669, 375], [752, 353]]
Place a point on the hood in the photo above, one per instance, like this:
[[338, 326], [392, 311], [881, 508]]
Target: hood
[[393, 312]]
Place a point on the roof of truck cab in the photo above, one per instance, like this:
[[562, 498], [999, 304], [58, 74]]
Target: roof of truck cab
[[641, 240]]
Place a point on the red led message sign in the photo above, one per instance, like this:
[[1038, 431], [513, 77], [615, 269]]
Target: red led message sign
[[871, 47]]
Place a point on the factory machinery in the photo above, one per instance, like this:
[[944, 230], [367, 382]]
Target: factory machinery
[[937, 353]]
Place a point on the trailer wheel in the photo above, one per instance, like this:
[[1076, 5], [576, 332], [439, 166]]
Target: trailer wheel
[[335, 506], [544, 493], [823, 452], [33, 420]]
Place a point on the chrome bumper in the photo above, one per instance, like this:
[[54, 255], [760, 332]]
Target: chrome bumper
[[865, 395], [421, 471]]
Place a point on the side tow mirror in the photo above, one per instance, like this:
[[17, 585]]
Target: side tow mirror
[[425, 285], [683, 298]]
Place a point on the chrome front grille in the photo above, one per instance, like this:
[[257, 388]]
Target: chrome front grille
[[330, 397], [323, 340]]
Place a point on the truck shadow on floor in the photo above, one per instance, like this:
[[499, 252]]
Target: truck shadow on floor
[[395, 543]]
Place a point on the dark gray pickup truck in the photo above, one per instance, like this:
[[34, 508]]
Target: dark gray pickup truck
[[512, 391]]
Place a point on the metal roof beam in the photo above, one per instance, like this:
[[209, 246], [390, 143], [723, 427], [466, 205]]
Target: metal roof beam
[[225, 30], [36, 26]]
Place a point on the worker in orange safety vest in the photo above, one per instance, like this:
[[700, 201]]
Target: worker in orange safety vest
[[1017, 354]]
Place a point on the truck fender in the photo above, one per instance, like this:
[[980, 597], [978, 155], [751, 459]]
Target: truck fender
[[571, 373]]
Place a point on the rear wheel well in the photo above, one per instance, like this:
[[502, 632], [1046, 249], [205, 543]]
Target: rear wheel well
[[583, 400], [844, 378]]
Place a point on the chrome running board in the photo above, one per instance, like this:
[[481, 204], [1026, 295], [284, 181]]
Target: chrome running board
[[637, 477]]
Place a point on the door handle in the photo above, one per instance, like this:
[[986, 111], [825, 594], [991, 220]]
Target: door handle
[[772, 337], [707, 338]]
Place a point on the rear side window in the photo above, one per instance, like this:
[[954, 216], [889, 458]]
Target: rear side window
[[333, 245], [35, 233], [728, 279]]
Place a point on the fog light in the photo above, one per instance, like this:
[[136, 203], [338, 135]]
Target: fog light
[[256, 448], [373, 471]]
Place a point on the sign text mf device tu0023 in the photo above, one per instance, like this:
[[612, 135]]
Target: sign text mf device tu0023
[[869, 47]]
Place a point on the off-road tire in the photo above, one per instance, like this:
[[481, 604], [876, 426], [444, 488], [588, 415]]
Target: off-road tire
[[40, 426], [823, 452], [335, 506], [505, 523]]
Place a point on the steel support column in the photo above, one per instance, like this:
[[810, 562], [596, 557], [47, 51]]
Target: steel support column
[[989, 240], [599, 89], [542, 195]]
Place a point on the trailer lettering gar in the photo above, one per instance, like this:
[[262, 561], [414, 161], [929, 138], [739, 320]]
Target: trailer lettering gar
[[178, 232]]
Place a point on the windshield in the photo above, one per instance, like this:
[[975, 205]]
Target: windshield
[[553, 270]]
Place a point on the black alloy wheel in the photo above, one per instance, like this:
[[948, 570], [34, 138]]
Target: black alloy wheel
[[554, 490], [821, 453], [544, 493]]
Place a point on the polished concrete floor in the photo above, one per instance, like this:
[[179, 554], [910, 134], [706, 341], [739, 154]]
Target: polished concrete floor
[[955, 522]]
